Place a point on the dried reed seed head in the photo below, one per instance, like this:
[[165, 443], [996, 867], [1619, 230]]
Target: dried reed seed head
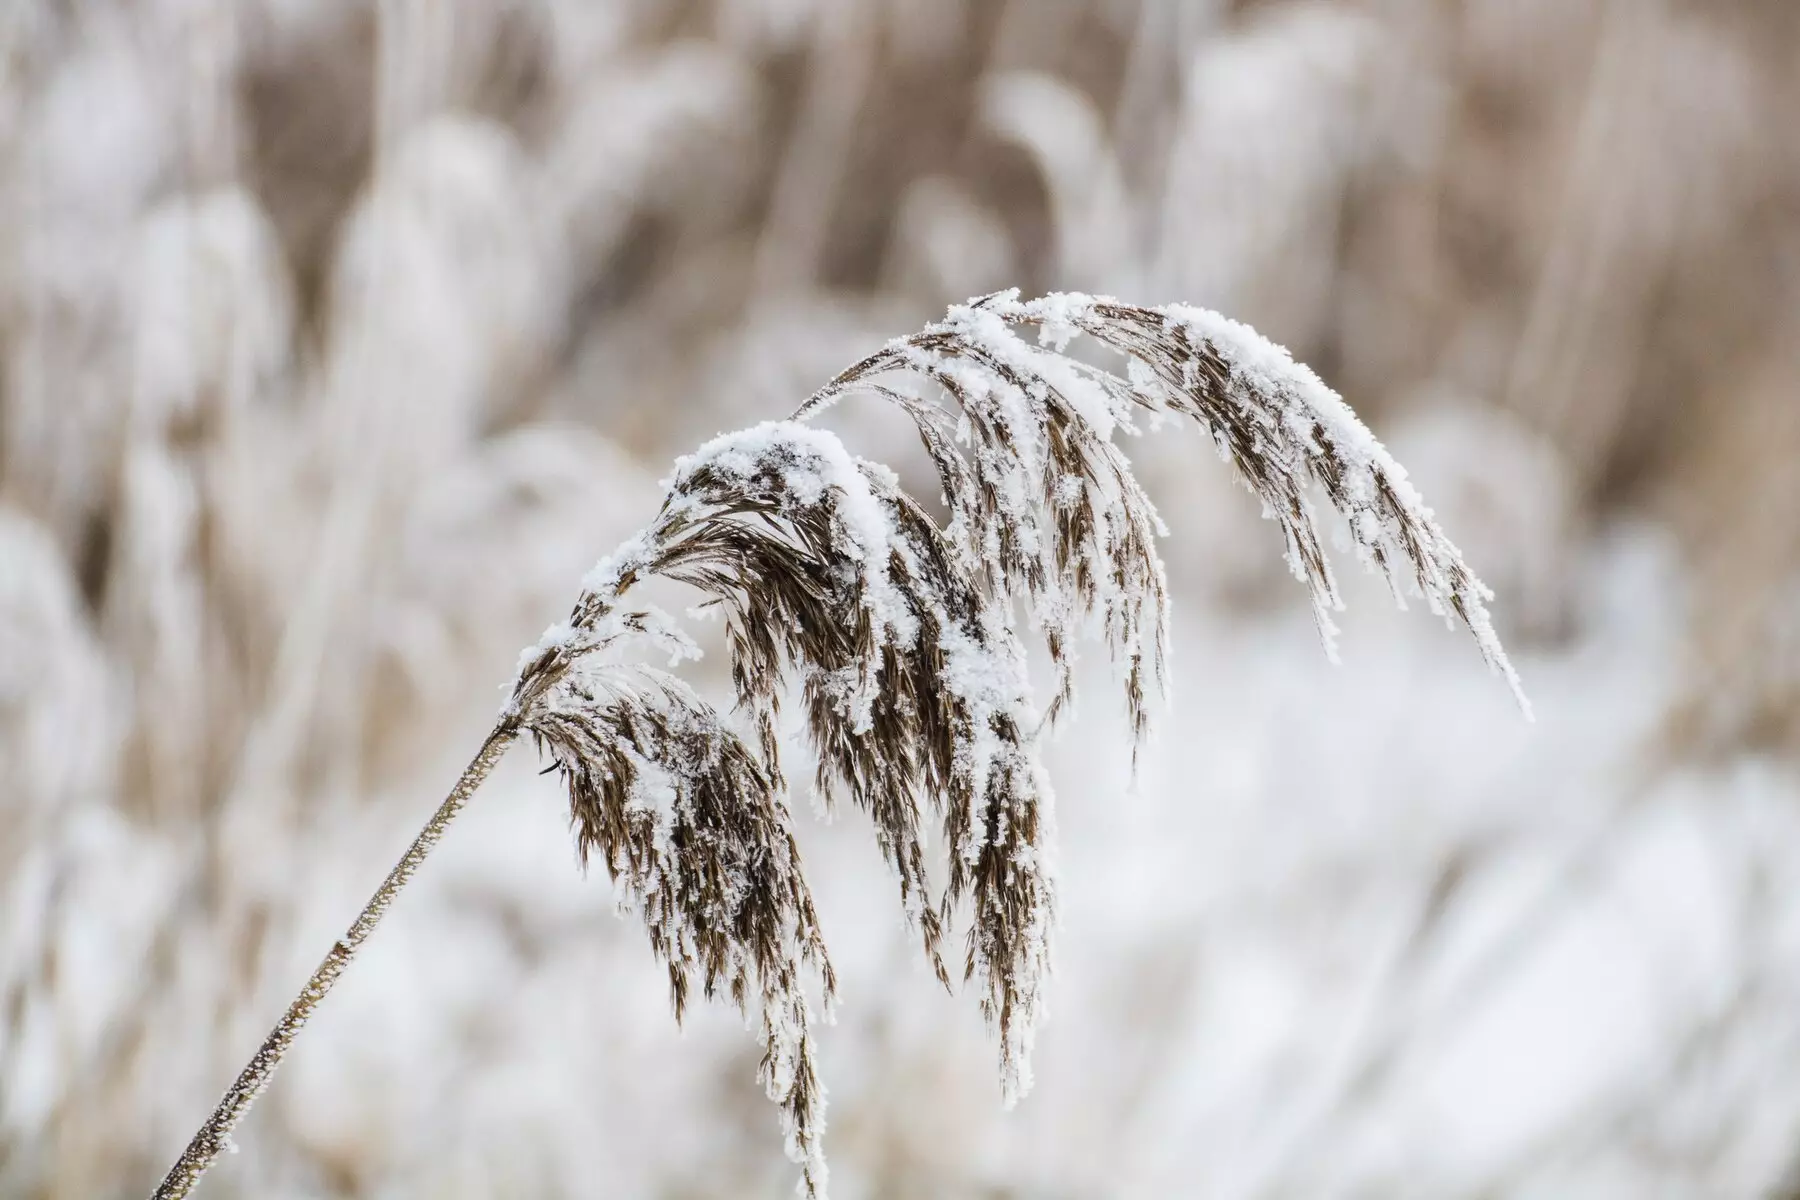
[[1270, 417], [695, 835], [901, 639]]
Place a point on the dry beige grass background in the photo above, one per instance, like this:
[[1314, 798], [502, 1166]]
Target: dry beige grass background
[[337, 339]]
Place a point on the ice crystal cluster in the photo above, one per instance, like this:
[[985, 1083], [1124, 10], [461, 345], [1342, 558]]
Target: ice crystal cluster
[[904, 639]]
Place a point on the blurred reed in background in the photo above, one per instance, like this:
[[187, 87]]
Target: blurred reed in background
[[337, 338]]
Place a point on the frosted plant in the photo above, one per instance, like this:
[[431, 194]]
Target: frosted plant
[[903, 639], [1255, 223], [1066, 135]]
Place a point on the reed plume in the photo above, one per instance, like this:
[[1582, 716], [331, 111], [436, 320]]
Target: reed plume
[[903, 640]]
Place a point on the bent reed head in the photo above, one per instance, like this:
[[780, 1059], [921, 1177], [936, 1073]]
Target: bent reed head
[[903, 641]]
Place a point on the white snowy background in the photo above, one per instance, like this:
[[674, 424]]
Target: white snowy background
[[338, 339]]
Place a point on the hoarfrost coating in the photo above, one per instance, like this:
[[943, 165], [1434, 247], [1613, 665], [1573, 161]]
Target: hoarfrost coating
[[900, 634]]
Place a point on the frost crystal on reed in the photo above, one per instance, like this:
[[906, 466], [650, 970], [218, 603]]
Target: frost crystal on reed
[[900, 637]]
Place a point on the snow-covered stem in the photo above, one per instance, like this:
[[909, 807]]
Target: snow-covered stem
[[215, 1135]]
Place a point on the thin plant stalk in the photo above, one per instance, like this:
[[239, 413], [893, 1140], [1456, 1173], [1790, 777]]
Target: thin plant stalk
[[215, 1135]]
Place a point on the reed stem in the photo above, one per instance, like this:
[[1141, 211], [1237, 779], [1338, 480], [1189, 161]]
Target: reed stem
[[215, 1135]]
